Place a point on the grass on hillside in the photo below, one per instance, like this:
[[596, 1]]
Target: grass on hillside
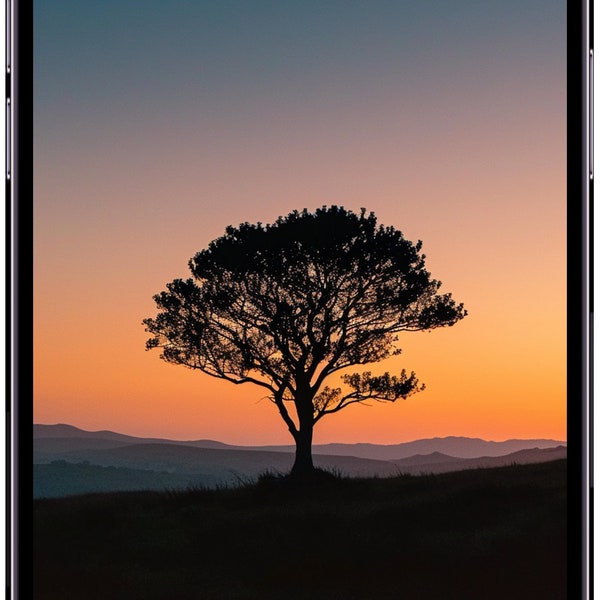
[[486, 534]]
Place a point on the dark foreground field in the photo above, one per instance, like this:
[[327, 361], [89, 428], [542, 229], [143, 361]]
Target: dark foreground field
[[486, 534]]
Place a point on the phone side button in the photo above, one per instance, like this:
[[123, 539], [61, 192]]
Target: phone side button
[[591, 114], [8, 139]]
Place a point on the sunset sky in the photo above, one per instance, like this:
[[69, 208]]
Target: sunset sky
[[158, 124]]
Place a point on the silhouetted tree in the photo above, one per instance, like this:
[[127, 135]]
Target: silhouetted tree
[[285, 306]]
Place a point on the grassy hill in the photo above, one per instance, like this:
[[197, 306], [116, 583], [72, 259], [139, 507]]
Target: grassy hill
[[488, 533]]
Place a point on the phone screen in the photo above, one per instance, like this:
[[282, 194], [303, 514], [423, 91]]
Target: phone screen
[[329, 240]]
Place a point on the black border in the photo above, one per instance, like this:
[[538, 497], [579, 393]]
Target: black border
[[19, 285], [578, 299], [20, 374]]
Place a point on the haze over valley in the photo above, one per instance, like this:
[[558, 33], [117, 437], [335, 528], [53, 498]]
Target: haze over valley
[[68, 460]]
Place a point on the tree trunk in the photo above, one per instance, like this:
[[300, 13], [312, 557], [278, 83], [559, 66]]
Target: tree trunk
[[303, 465]]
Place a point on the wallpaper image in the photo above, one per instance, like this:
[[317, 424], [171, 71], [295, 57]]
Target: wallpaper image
[[159, 125]]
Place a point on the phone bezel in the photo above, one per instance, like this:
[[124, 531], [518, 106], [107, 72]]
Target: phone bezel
[[19, 285]]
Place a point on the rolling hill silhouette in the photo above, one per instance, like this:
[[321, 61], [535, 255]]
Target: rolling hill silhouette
[[68, 460]]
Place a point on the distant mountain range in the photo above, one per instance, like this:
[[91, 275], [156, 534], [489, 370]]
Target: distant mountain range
[[68, 460]]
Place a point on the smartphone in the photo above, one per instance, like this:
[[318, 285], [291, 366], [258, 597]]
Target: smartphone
[[300, 297]]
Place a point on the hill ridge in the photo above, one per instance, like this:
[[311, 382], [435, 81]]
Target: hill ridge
[[455, 446]]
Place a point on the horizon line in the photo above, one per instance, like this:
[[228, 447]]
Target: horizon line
[[292, 444]]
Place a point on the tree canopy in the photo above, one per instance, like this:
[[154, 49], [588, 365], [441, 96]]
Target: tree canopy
[[285, 306]]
